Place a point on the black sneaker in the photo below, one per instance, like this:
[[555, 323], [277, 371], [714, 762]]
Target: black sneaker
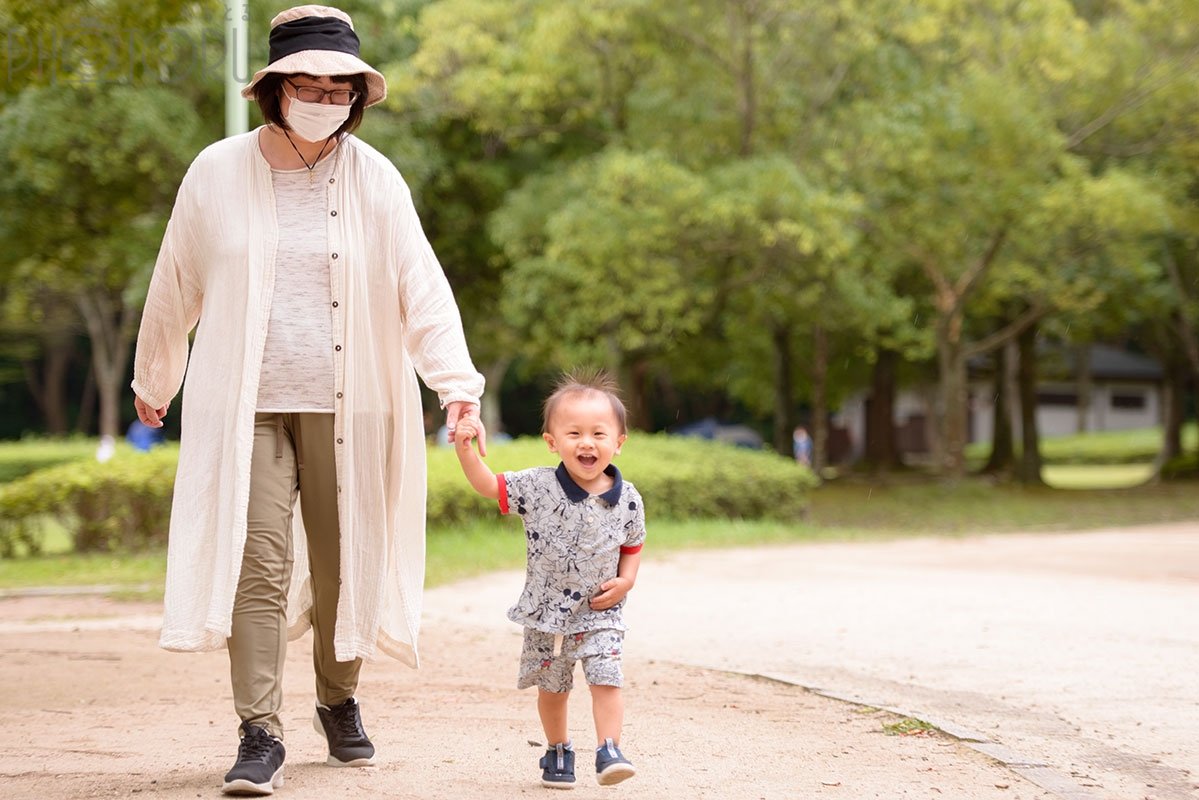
[[558, 767], [610, 765], [259, 767], [342, 728]]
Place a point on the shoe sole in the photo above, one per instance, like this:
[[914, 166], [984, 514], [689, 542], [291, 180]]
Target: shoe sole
[[245, 788], [334, 761], [557, 784], [615, 774]]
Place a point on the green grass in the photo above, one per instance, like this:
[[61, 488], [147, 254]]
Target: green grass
[[1096, 476], [908, 726], [83, 570], [976, 506], [483, 546], [1101, 447]]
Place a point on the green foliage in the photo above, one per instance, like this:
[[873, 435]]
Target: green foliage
[[626, 221], [682, 191], [679, 478], [839, 512], [18, 459], [122, 504]]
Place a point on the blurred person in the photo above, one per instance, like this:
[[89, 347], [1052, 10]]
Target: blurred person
[[142, 437], [296, 254], [801, 446]]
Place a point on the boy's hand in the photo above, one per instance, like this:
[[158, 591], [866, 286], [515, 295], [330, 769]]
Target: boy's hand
[[611, 593], [468, 429]]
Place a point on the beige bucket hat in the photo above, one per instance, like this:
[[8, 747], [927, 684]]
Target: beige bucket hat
[[317, 40]]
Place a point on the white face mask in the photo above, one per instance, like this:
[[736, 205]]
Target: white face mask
[[315, 121]]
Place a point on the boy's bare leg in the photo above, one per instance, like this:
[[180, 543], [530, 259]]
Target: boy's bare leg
[[551, 706], [607, 707]]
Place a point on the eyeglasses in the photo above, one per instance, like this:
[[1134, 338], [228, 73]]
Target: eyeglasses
[[315, 94]]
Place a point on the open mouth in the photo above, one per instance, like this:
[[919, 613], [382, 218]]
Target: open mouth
[[588, 460]]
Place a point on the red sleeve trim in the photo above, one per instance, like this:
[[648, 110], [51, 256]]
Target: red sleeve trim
[[503, 487], [628, 550]]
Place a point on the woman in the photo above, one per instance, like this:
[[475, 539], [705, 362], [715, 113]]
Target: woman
[[296, 254]]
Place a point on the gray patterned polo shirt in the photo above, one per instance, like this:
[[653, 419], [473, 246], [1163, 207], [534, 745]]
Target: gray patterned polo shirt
[[574, 541]]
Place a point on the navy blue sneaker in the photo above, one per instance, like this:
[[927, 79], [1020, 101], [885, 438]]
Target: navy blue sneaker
[[558, 767], [259, 767], [341, 725], [610, 764]]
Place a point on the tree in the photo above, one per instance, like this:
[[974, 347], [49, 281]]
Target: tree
[[974, 181], [85, 202], [605, 264]]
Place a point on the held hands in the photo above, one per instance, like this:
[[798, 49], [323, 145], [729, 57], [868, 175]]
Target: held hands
[[468, 429], [459, 414], [611, 592], [479, 474]]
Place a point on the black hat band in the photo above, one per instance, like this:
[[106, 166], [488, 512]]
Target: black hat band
[[312, 33]]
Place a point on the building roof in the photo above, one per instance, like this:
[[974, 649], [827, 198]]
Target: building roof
[[1107, 363]]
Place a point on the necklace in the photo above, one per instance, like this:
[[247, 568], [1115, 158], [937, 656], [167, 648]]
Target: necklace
[[315, 161]]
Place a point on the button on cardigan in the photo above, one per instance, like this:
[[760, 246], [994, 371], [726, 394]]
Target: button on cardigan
[[397, 318]]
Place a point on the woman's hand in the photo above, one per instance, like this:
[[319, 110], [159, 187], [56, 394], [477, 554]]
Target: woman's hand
[[151, 417], [460, 411]]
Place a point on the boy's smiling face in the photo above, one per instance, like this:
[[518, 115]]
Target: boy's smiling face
[[585, 432]]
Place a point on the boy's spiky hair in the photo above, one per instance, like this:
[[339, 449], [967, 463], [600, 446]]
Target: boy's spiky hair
[[585, 381]]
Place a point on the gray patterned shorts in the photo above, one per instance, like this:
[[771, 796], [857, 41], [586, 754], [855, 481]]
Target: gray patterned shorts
[[600, 652]]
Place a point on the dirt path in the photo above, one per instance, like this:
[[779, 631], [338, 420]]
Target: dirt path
[[95, 709], [1075, 657]]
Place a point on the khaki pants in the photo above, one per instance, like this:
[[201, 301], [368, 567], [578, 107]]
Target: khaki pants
[[293, 455]]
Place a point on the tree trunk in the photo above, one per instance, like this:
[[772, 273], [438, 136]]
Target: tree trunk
[[1082, 360], [880, 449], [1173, 395], [87, 401], [953, 397], [636, 375], [49, 387], [1002, 447], [742, 26], [110, 327], [491, 411], [1029, 471], [780, 336], [819, 399]]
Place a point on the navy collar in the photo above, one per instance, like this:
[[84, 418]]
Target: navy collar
[[577, 494]]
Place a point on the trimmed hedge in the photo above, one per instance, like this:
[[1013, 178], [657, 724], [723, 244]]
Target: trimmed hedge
[[124, 504], [679, 478], [18, 459]]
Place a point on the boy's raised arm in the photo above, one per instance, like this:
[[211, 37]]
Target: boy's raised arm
[[479, 474]]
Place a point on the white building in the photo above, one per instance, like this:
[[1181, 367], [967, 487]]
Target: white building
[[1125, 393]]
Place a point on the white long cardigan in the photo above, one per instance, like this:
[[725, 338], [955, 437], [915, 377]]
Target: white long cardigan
[[394, 315]]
